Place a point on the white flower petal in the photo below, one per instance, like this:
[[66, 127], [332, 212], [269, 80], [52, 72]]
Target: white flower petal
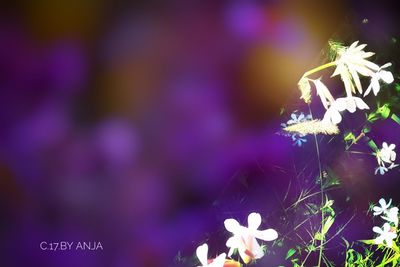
[[360, 103], [377, 230], [386, 76], [218, 261], [267, 235], [254, 220], [232, 225], [201, 253]]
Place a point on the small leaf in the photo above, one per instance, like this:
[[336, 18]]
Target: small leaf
[[328, 223], [368, 241], [290, 253], [318, 236]]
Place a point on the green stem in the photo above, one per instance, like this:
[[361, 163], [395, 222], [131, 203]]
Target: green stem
[[395, 118], [321, 248], [314, 70], [372, 145]]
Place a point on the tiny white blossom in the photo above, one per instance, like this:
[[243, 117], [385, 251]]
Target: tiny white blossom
[[386, 153], [332, 115], [392, 215], [245, 238], [386, 235], [382, 208], [297, 119], [202, 255], [381, 74]]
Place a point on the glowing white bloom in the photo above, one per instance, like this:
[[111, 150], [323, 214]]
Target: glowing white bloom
[[381, 74], [392, 216], [245, 238], [202, 252], [383, 208], [332, 115], [386, 235], [350, 62], [386, 154], [323, 93]]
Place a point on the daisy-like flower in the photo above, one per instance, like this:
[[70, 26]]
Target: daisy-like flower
[[202, 252], [392, 215], [244, 239], [350, 62], [332, 115], [383, 208], [381, 74], [386, 235]]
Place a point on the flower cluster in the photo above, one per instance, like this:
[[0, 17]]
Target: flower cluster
[[388, 231], [350, 62], [385, 157], [243, 240], [297, 137]]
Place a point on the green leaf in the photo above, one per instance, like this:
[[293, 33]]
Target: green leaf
[[290, 253], [328, 223], [318, 236], [384, 111], [368, 241], [350, 137]]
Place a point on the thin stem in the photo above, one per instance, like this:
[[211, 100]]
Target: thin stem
[[314, 70], [322, 195]]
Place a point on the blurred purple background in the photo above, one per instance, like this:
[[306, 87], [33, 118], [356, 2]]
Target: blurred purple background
[[144, 125]]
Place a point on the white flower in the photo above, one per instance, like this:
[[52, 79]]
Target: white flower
[[381, 74], [392, 216], [383, 208], [202, 252], [244, 238], [386, 235], [332, 115], [350, 62], [386, 154], [297, 119], [323, 93]]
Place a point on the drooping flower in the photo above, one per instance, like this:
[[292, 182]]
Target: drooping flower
[[392, 215], [323, 93], [381, 74], [350, 62], [386, 235], [383, 208], [332, 115], [244, 239], [202, 255]]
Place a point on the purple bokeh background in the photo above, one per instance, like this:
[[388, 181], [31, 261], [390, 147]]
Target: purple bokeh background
[[145, 125]]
